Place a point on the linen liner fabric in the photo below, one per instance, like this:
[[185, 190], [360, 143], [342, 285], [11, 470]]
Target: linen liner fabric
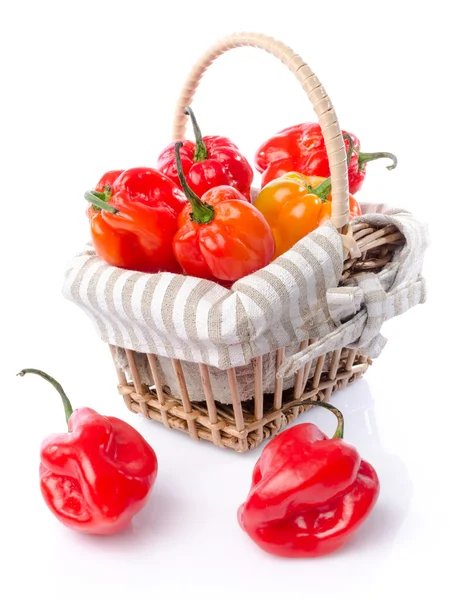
[[296, 297]]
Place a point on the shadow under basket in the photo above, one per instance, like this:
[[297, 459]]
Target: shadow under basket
[[240, 426]]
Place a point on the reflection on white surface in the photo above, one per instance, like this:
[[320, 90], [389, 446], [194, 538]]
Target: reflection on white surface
[[167, 510], [396, 488]]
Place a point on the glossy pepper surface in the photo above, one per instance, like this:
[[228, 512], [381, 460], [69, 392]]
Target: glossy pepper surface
[[221, 236], [208, 162], [133, 218], [295, 205], [301, 148], [309, 494], [99, 474]]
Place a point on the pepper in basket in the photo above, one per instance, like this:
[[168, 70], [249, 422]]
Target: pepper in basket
[[221, 236], [211, 161]]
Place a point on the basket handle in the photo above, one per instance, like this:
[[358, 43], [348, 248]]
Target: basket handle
[[323, 108]]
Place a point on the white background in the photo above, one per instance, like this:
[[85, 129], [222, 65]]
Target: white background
[[90, 86]]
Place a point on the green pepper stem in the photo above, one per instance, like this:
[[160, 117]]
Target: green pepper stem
[[365, 157], [201, 211], [99, 200], [323, 189], [351, 146], [66, 402], [339, 433], [200, 153]]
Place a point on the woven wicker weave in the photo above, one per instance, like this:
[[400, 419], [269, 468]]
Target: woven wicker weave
[[244, 425]]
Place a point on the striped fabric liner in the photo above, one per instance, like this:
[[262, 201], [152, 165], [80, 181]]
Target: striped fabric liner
[[200, 321]]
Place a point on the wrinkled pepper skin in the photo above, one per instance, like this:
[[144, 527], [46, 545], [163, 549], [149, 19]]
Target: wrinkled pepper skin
[[221, 237], [208, 162], [294, 205], [96, 477], [309, 494], [136, 232], [301, 148]]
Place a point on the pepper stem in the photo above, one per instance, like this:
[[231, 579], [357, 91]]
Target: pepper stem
[[100, 201], [201, 211], [200, 153], [339, 433], [66, 402], [323, 189], [365, 157]]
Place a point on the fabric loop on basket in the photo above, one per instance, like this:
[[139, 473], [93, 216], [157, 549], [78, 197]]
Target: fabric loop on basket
[[372, 305], [371, 342], [344, 302]]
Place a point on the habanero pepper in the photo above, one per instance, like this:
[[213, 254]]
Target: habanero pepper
[[99, 475], [295, 205], [309, 494], [221, 236], [301, 148], [133, 218], [209, 162]]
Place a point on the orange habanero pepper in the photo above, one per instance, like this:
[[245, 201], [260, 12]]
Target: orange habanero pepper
[[294, 205]]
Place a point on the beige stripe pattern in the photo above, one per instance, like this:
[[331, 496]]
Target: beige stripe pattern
[[295, 298]]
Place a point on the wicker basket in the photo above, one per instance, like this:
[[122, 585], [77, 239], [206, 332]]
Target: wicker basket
[[242, 425]]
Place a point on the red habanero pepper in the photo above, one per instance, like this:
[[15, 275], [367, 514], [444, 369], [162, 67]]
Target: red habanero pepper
[[309, 493], [221, 237], [210, 161], [96, 477], [301, 148], [133, 218]]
